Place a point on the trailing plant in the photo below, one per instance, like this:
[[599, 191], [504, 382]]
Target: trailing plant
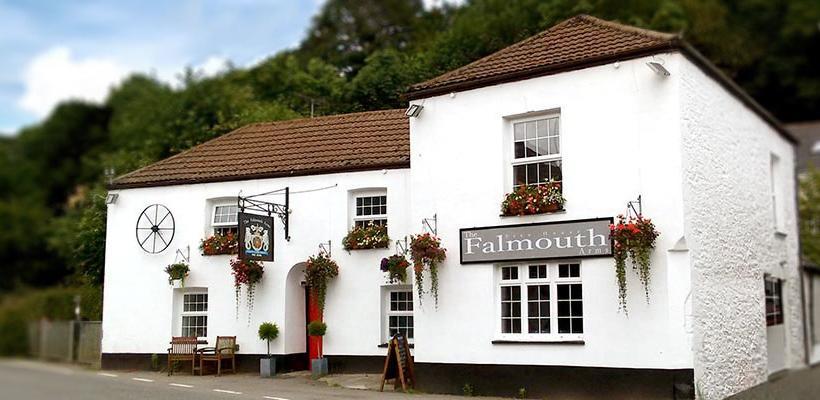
[[634, 240], [533, 199], [246, 272], [370, 236], [268, 332], [426, 252], [319, 270], [317, 328], [396, 268], [219, 244], [177, 271]]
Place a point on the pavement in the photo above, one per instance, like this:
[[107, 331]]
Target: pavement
[[23, 379]]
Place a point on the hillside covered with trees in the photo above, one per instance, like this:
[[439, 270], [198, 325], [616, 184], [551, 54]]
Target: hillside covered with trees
[[357, 55]]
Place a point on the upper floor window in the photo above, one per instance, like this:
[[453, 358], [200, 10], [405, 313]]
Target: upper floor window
[[777, 193], [370, 208], [537, 151], [224, 219]]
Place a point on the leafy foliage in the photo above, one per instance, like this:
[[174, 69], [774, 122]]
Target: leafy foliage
[[396, 268], [809, 205], [317, 328], [268, 332], [634, 239], [319, 270], [370, 236], [248, 273], [426, 252], [357, 55]]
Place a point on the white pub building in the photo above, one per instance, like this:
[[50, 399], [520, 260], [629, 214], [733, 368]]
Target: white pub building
[[607, 119]]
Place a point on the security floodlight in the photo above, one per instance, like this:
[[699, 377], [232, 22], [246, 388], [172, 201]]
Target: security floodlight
[[413, 111], [111, 198], [658, 68]]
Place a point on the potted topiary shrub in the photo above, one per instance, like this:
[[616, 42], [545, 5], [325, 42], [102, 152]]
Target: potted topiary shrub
[[177, 273], [267, 366], [318, 366]]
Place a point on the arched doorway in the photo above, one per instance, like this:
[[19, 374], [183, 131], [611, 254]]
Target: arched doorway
[[296, 318]]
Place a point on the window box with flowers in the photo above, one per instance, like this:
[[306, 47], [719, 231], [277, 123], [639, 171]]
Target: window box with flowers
[[219, 244], [370, 236], [533, 199]]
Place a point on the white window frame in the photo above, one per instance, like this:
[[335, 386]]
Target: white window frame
[[537, 159], [216, 225], [183, 313], [370, 193], [388, 312], [523, 281], [778, 212]]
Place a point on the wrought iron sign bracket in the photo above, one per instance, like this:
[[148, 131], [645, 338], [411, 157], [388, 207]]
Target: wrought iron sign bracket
[[186, 257], [325, 248], [630, 207], [401, 246], [281, 210], [431, 224]]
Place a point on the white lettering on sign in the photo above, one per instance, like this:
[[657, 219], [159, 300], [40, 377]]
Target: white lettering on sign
[[546, 240]]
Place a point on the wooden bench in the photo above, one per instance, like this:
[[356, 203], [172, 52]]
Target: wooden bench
[[183, 348], [225, 349]]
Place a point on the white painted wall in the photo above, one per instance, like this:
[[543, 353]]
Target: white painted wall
[[620, 137], [732, 235], [138, 302]]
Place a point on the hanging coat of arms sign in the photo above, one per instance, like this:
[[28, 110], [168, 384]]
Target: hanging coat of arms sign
[[255, 237]]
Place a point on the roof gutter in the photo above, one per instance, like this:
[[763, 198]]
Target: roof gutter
[[284, 174]]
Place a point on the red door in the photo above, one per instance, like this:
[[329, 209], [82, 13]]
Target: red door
[[314, 314]]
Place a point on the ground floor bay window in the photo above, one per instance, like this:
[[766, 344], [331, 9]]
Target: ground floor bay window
[[539, 301]]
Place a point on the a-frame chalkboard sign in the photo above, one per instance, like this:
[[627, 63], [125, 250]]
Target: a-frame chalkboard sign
[[399, 364]]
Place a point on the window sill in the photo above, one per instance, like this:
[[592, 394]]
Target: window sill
[[555, 341], [384, 345], [368, 248], [561, 211]]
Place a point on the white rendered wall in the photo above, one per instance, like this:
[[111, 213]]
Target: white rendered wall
[[620, 138], [138, 309], [730, 229]]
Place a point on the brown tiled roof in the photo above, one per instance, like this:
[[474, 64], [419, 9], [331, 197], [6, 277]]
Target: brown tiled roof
[[336, 143], [575, 43]]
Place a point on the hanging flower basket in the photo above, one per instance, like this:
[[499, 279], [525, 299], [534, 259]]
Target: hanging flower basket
[[319, 270], [634, 240], [426, 252], [177, 272], [219, 244], [396, 268], [248, 273], [533, 199], [366, 237]]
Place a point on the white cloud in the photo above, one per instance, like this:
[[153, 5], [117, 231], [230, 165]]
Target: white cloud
[[213, 66], [54, 75], [438, 3]]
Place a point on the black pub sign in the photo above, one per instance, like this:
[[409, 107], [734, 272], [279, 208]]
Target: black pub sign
[[255, 237]]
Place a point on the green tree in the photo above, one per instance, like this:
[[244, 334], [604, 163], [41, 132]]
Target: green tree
[[809, 208]]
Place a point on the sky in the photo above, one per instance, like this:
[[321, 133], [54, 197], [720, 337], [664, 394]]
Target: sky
[[54, 50], [57, 50]]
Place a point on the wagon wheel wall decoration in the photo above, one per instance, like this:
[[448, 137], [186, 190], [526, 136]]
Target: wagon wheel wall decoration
[[155, 228]]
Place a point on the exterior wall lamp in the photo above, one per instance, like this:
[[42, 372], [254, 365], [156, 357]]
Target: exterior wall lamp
[[414, 110], [658, 68]]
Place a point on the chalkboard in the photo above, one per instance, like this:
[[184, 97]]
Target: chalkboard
[[398, 365]]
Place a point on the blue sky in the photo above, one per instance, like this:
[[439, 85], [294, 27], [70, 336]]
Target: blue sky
[[56, 50]]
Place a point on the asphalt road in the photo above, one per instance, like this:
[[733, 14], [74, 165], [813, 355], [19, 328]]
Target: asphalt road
[[42, 381]]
